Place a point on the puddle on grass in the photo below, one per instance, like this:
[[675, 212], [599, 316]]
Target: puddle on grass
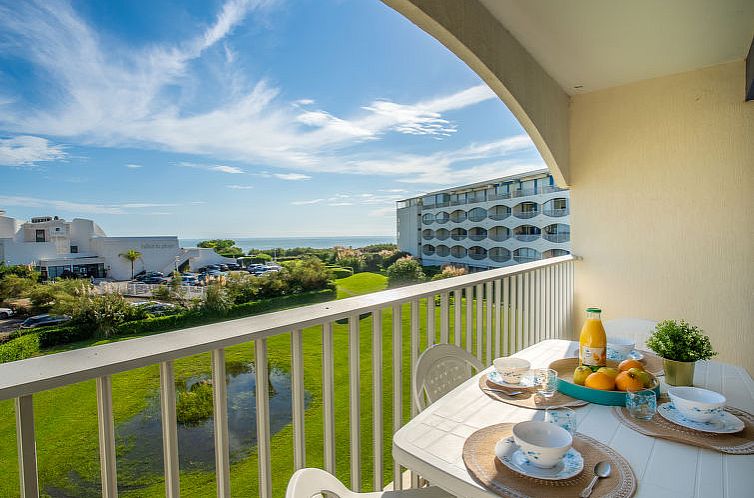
[[139, 439]]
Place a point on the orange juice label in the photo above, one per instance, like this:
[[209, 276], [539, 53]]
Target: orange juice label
[[593, 357]]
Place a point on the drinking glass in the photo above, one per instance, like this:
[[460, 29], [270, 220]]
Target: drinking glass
[[547, 381], [641, 404], [563, 417]]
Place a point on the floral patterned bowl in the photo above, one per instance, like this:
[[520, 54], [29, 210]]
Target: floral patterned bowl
[[696, 404], [543, 444]]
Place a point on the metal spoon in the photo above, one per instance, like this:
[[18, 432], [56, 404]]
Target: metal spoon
[[501, 391], [602, 469]]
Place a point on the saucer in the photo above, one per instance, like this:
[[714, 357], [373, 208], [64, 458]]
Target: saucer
[[727, 423], [527, 380], [633, 355], [511, 456]]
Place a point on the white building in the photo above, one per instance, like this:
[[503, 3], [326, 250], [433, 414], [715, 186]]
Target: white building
[[54, 245], [502, 222]]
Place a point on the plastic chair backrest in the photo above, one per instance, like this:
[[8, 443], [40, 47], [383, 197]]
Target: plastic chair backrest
[[439, 370], [637, 329]]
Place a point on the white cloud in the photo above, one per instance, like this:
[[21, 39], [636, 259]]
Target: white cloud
[[240, 187], [134, 166], [219, 168], [337, 204], [26, 150], [303, 102], [76, 207], [306, 203], [382, 212], [291, 176]]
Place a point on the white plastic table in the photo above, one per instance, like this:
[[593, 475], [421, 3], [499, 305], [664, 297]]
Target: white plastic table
[[432, 442]]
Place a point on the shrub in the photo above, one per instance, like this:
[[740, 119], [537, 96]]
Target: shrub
[[194, 405], [100, 314], [216, 300], [405, 271], [450, 271], [62, 335], [19, 348]]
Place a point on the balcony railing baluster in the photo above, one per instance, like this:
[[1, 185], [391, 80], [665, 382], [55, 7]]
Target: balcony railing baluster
[[479, 321], [263, 418], [328, 397], [457, 317], [469, 292], [297, 399], [27, 447], [354, 401], [489, 298], [430, 320], [398, 385], [444, 325], [506, 317], [377, 397], [498, 296], [169, 430], [106, 426]]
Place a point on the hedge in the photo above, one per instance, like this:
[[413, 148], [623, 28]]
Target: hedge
[[19, 348], [62, 335], [192, 319]]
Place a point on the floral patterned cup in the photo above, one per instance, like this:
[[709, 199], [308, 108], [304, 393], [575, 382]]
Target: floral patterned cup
[[641, 404], [562, 417]]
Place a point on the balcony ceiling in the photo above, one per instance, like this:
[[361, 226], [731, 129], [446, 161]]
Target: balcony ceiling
[[599, 44]]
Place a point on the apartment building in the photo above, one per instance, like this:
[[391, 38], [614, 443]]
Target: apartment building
[[502, 222], [56, 247]]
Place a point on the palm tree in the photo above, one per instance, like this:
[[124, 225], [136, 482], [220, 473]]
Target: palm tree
[[131, 255]]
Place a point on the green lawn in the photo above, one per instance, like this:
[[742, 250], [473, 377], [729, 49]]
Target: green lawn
[[66, 418]]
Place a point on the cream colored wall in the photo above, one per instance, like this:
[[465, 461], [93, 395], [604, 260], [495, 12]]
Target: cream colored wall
[[468, 30], [662, 175]]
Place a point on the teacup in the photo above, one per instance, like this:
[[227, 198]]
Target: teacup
[[542, 443], [511, 369], [696, 404], [621, 345]]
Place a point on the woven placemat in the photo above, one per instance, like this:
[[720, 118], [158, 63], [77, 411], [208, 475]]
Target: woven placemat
[[740, 443], [529, 398], [487, 470]]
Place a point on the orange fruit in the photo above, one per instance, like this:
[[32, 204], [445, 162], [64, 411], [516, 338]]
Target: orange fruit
[[601, 381], [628, 381], [626, 364]]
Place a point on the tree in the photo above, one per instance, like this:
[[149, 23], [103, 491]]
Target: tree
[[224, 247], [450, 271], [131, 255], [405, 271]]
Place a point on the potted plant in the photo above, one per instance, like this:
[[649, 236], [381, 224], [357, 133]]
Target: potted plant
[[680, 345]]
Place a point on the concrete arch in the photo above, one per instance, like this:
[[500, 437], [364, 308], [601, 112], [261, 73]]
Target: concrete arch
[[468, 30]]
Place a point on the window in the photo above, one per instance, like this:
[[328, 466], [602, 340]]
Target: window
[[428, 218], [74, 249], [559, 204], [40, 235]]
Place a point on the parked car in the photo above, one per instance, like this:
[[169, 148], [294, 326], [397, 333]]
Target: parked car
[[189, 280], [216, 273], [234, 267], [44, 321], [223, 267], [150, 274], [156, 280], [155, 307], [6, 313]]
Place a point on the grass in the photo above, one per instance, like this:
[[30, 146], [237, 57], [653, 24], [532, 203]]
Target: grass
[[66, 418]]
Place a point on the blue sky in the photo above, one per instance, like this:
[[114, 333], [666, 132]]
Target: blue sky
[[237, 118]]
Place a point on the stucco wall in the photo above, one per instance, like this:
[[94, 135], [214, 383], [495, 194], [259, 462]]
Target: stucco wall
[[662, 175]]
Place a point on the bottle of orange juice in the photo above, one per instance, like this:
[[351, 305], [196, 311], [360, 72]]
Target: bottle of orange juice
[[593, 341]]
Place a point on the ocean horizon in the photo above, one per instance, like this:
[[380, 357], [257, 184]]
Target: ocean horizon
[[247, 243]]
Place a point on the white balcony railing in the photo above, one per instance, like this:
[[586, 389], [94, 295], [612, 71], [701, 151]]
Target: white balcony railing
[[503, 310]]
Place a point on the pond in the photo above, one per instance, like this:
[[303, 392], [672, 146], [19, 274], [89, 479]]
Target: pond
[[139, 439]]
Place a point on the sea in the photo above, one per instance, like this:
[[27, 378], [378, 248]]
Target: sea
[[247, 243]]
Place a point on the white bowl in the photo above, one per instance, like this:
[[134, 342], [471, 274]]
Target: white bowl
[[696, 404], [542, 443], [511, 369], [621, 345]]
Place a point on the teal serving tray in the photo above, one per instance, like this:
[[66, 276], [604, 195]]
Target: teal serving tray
[[565, 368]]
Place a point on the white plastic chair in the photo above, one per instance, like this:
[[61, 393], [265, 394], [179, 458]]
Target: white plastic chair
[[638, 329], [308, 483], [439, 370]]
